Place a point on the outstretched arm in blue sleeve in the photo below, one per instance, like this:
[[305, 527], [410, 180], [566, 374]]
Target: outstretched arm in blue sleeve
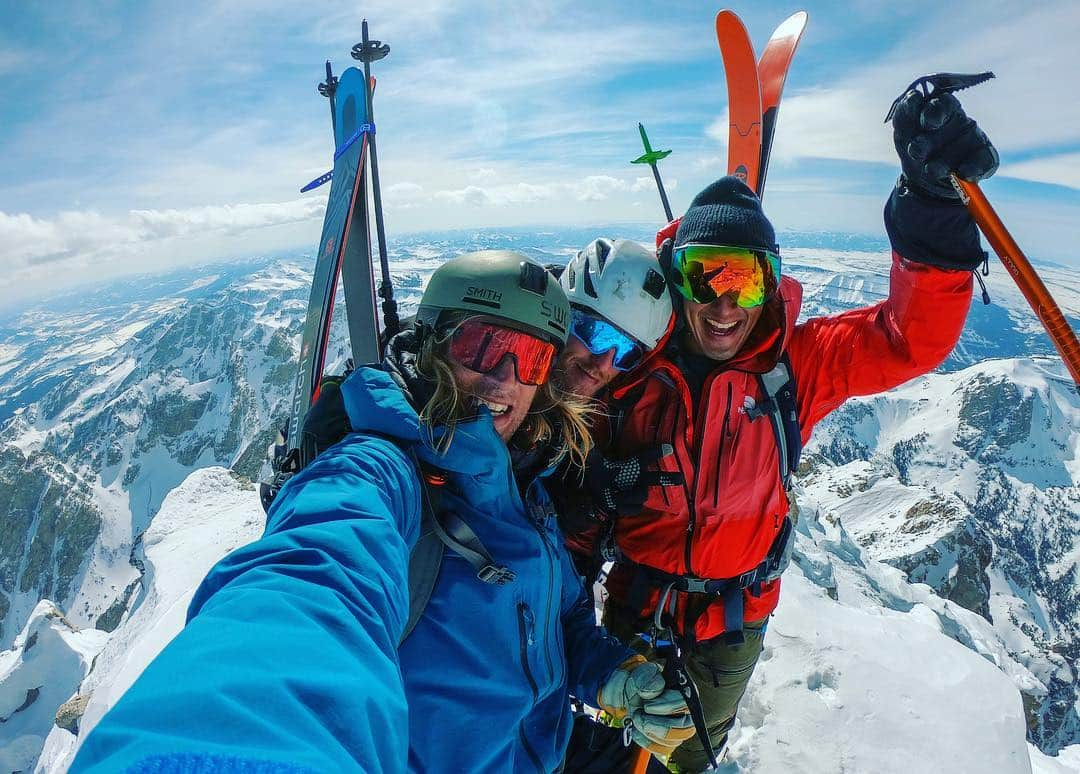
[[289, 659]]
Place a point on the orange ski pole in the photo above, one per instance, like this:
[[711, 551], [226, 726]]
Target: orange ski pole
[[639, 761], [1017, 264]]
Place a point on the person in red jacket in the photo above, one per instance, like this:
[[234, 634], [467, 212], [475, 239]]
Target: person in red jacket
[[699, 561]]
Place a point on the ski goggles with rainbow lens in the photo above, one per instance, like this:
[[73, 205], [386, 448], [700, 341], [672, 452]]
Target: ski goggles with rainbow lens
[[481, 345], [703, 273], [600, 337]]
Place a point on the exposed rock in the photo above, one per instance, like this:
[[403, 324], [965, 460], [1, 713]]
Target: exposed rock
[[71, 712]]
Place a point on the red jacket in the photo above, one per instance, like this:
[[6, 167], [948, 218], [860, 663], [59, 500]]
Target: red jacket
[[722, 522]]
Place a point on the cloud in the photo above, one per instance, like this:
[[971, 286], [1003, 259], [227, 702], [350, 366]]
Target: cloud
[[78, 236], [405, 194], [843, 123], [1061, 169], [472, 195], [591, 188], [596, 188]]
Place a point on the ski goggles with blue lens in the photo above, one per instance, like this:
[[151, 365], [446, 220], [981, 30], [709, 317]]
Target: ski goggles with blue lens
[[600, 337], [703, 273]]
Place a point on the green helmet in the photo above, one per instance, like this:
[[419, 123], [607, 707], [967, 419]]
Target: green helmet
[[502, 284]]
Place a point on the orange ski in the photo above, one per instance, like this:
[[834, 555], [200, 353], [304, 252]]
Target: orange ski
[[772, 72], [744, 97]]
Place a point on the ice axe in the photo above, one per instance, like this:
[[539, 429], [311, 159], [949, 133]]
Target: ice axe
[[1022, 272], [1016, 263]]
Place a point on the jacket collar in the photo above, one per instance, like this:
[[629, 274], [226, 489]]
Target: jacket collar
[[382, 400]]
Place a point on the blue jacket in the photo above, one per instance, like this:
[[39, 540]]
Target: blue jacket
[[290, 659]]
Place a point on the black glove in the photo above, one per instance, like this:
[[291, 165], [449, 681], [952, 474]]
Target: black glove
[[620, 487], [326, 422], [924, 217], [934, 137]]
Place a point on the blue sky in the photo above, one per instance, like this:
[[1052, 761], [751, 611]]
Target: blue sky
[[137, 136]]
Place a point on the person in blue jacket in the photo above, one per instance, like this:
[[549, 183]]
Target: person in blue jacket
[[292, 659]]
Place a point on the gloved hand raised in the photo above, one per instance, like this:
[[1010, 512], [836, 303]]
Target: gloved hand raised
[[924, 217], [934, 137], [660, 719], [620, 487]]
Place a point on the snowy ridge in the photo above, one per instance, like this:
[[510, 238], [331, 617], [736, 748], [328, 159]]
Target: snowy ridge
[[970, 482], [882, 675], [49, 660], [207, 516]]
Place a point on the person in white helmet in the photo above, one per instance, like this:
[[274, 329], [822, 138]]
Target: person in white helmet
[[621, 311]]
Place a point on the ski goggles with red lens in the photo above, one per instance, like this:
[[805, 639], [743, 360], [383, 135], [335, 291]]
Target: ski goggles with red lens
[[600, 337], [480, 345], [703, 273]]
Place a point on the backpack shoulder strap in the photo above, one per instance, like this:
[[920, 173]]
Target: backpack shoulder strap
[[440, 530], [424, 564], [779, 387]]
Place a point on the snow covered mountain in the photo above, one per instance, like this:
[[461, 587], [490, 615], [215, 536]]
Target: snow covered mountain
[[968, 480]]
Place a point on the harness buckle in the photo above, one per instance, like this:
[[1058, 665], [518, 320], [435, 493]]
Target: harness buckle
[[748, 579], [696, 585], [489, 573]]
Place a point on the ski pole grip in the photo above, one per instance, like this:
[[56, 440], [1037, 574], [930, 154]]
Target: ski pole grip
[[1022, 272]]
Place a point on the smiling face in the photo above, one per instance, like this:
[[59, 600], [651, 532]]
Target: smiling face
[[719, 329], [506, 398], [580, 372]]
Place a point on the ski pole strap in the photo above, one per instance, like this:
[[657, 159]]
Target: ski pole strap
[[361, 130], [675, 672]]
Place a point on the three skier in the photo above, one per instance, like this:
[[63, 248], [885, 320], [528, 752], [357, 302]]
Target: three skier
[[296, 639], [293, 658]]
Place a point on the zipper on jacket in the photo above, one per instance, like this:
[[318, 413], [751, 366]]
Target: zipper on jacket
[[695, 454], [720, 450], [524, 638], [532, 510]]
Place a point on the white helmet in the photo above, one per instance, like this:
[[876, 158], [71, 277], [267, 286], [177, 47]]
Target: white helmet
[[622, 282]]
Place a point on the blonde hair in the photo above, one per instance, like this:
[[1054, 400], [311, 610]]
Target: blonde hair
[[556, 417]]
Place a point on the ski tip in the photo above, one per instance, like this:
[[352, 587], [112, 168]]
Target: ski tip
[[727, 18], [792, 26], [799, 17]]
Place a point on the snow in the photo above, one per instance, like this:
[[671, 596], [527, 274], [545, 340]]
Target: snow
[[206, 517], [849, 686], [1067, 761], [202, 282], [874, 681], [852, 684], [42, 670]]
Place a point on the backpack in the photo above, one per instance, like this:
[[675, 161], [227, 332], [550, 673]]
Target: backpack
[[779, 405], [326, 424]]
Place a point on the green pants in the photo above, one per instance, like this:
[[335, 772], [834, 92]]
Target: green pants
[[719, 671]]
